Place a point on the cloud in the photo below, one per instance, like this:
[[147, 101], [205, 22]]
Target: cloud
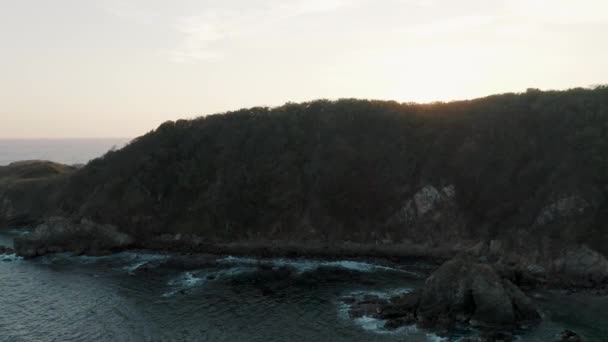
[[199, 33], [455, 25], [299, 7], [129, 9], [202, 34], [560, 11]]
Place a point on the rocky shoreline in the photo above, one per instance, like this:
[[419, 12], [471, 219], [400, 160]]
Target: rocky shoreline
[[578, 268], [462, 292], [465, 291]]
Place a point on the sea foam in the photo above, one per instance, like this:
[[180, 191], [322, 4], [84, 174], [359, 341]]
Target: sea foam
[[303, 266]]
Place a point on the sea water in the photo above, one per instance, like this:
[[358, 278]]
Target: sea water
[[137, 296]]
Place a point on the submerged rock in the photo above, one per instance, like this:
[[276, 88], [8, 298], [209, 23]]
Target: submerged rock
[[62, 235]]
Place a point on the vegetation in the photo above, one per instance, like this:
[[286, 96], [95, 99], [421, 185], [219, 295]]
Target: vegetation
[[329, 170], [29, 190]]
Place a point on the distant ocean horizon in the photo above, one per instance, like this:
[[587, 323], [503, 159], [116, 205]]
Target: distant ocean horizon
[[66, 151]]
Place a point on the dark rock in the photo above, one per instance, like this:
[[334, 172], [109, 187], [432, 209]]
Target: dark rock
[[583, 265], [466, 291], [461, 292], [6, 250], [497, 336], [62, 235], [368, 305], [365, 309], [348, 299], [491, 336], [568, 336], [407, 319], [401, 306]]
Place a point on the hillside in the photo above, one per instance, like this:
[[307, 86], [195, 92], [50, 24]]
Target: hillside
[[529, 171], [28, 190]]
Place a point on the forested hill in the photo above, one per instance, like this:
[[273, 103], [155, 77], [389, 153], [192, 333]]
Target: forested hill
[[513, 166]]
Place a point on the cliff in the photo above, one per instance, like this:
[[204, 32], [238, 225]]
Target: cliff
[[517, 179]]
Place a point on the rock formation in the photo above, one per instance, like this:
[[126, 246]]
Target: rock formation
[[461, 291], [61, 235]]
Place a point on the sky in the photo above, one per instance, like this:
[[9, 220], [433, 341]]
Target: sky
[[119, 68]]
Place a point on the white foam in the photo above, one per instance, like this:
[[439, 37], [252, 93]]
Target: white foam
[[19, 232], [434, 338], [10, 257], [185, 281], [140, 259], [302, 266], [385, 294], [376, 326], [189, 280], [134, 267], [231, 272]]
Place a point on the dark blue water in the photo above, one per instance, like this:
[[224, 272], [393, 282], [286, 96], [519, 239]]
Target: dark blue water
[[66, 151], [141, 296]]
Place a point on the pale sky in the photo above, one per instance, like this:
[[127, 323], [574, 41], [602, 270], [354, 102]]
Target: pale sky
[[119, 68]]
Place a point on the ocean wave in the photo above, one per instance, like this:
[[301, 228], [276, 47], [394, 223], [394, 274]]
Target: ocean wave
[[376, 325], [10, 257], [191, 279], [19, 232], [384, 294], [303, 266], [185, 281], [137, 260]]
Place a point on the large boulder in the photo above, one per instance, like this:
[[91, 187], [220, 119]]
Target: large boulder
[[461, 291], [582, 265], [62, 235], [466, 291]]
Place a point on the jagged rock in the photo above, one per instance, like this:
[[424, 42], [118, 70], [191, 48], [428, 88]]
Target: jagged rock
[[398, 322], [364, 309], [370, 305], [563, 208], [449, 191], [424, 201], [583, 264], [406, 214], [568, 336], [62, 235], [466, 291], [6, 250], [460, 291]]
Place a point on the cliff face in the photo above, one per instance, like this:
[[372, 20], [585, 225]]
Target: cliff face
[[505, 177]]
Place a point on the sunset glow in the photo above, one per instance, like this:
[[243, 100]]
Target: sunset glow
[[118, 68]]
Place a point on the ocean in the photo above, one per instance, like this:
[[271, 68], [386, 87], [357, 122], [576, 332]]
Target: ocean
[[141, 296], [66, 151]]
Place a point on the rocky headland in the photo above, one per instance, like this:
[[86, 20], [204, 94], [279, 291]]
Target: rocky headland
[[517, 184]]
